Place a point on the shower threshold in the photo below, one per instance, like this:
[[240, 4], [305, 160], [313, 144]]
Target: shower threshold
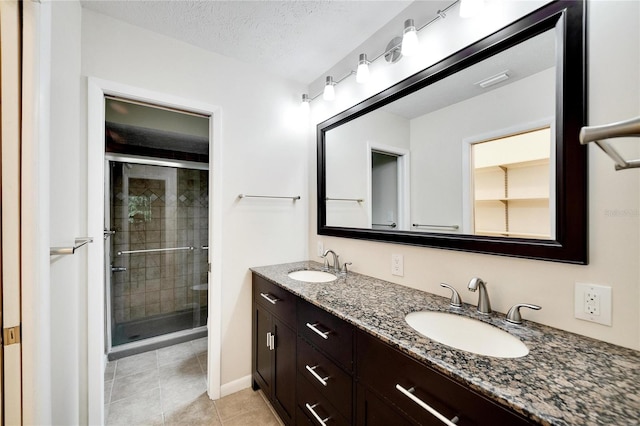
[[152, 333]]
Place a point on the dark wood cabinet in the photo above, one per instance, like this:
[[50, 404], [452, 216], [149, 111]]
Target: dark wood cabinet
[[410, 387], [316, 369], [274, 346]]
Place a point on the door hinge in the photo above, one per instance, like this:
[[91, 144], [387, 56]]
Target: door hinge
[[209, 266], [11, 335]]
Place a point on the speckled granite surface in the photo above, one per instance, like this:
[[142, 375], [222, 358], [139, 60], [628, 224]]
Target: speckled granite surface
[[566, 379]]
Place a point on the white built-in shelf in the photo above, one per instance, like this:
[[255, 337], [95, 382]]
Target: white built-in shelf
[[515, 199], [512, 234], [518, 165]]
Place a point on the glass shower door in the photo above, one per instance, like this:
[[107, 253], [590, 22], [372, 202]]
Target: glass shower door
[[159, 250]]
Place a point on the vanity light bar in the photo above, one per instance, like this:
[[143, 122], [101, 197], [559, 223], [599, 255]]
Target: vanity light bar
[[441, 14]]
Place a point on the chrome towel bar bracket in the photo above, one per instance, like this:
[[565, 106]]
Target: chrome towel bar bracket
[[79, 242], [614, 130]]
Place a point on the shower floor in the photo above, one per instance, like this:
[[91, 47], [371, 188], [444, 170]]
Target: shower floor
[[133, 331]]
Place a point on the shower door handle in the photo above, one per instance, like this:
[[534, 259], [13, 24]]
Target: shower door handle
[[118, 269]]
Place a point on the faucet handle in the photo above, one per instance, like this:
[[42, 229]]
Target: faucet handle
[[326, 263], [345, 270], [455, 297], [514, 317]]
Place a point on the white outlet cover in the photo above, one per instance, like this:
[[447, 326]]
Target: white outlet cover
[[397, 265], [603, 294]]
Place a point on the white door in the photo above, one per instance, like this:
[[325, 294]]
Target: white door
[[10, 357]]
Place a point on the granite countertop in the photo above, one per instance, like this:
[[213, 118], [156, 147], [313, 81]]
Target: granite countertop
[[566, 379]]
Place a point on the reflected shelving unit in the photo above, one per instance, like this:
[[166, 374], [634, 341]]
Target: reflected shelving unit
[[512, 198]]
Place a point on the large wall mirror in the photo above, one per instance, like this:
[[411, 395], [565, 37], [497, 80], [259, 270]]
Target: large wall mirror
[[478, 152]]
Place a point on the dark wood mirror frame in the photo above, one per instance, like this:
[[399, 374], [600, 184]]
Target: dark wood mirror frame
[[571, 242]]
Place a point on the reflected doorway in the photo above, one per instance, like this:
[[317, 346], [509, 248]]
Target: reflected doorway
[[384, 190], [388, 187]]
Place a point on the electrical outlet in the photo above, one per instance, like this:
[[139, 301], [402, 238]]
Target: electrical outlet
[[320, 248], [593, 303], [397, 265]]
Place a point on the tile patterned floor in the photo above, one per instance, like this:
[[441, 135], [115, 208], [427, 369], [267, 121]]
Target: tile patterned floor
[[168, 387]]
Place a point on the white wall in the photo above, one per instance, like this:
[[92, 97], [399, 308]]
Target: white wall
[[67, 218], [262, 141], [614, 225]]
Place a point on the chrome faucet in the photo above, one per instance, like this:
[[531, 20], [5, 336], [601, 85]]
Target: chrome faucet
[[484, 306], [336, 262]]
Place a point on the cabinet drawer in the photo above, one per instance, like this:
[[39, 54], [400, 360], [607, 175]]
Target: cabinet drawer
[[327, 333], [374, 411], [311, 401], [329, 379], [374, 359], [275, 299]]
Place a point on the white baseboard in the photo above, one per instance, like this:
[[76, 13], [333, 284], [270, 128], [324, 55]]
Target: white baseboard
[[235, 386]]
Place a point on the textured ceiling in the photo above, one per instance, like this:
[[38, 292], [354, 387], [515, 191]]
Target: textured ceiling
[[298, 40]]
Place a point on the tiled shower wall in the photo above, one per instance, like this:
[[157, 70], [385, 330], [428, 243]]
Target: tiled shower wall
[[156, 207]]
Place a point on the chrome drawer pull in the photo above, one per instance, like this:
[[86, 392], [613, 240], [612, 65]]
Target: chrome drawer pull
[[271, 339], [409, 394], [324, 335], [312, 370], [266, 296], [318, 418]]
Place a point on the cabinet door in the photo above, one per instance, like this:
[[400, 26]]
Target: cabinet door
[[373, 411], [284, 372], [262, 348]]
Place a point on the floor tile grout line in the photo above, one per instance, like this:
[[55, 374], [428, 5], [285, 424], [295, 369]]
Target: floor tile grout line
[[159, 386]]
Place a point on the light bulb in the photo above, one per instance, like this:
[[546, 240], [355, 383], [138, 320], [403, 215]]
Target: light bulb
[[305, 104], [362, 75], [469, 8], [409, 39], [329, 92]]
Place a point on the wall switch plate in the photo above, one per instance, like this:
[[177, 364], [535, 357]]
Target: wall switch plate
[[397, 265], [320, 248], [593, 303]]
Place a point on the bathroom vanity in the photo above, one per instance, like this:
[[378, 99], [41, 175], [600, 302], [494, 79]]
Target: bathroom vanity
[[342, 353]]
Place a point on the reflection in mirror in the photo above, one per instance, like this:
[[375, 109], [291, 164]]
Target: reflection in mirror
[[443, 158], [511, 185], [420, 146]]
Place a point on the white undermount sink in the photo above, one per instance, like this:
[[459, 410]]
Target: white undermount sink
[[311, 276], [467, 334]]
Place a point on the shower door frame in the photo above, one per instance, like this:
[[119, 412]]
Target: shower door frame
[[138, 160], [96, 359]]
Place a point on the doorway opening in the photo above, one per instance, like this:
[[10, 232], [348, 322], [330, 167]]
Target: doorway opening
[[388, 187], [156, 226]]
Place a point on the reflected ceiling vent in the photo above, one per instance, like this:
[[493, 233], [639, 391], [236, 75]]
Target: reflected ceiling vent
[[493, 80]]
